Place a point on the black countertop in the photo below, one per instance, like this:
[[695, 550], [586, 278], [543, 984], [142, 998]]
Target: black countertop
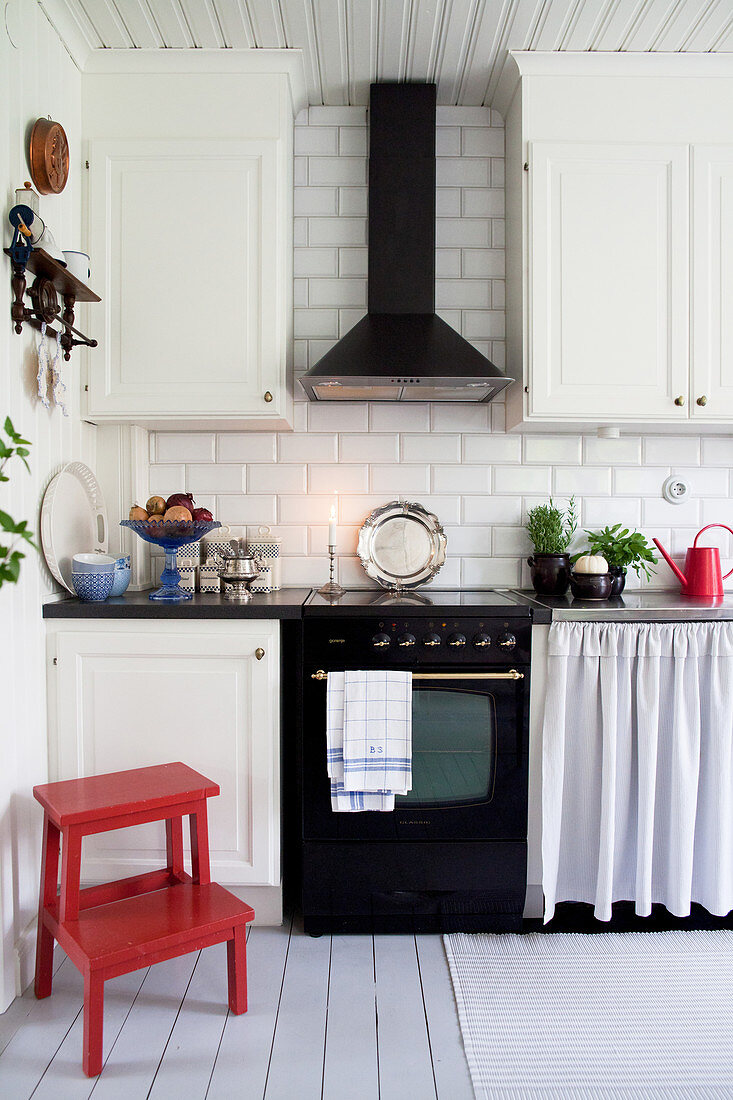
[[285, 604], [634, 606]]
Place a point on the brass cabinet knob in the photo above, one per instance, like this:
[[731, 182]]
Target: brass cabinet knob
[[679, 400], [268, 397], [259, 653], [702, 400]]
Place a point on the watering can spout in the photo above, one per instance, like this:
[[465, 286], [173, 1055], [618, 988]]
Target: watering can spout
[[677, 572]]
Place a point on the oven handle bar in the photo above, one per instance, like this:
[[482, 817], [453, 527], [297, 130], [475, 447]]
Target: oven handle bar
[[512, 674]]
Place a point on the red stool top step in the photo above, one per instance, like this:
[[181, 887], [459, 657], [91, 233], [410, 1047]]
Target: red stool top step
[[126, 930], [75, 801]]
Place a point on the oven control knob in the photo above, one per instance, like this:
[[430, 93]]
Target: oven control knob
[[507, 640], [380, 641], [431, 640], [457, 640], [405, 640], [481, 641]]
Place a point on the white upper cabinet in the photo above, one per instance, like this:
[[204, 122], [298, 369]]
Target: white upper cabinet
[[712, 283], [619, 238], [609, 280], [190, 229]]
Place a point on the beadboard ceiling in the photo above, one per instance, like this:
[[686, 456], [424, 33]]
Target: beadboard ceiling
[[460, 44]]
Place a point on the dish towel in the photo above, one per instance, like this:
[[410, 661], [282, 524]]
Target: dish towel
[[369, 738]]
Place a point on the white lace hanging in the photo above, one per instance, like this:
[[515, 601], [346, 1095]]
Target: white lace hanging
[[49, 375]]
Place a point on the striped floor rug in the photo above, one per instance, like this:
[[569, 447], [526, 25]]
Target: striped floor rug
[[616, 1016]]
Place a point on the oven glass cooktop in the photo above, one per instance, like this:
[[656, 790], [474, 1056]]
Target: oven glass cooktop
[[485, 601]]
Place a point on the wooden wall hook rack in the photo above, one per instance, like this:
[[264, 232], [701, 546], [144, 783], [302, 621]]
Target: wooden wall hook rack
[[52, 279]]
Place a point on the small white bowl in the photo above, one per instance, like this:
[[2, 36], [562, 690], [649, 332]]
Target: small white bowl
[[92, 563]]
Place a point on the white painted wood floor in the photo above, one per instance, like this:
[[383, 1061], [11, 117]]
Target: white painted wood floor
[[338, 1018]]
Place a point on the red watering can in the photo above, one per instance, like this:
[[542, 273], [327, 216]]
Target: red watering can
[[702, 576]]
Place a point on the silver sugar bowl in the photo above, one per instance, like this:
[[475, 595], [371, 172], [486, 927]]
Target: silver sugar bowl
[[237, 572]]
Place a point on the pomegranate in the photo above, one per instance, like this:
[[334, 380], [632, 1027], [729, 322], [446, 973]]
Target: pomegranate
[[156, 506], [177, 514], [181, 500], [202, 514]]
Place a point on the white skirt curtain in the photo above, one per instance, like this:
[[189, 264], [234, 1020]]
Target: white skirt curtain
[[637, 782]]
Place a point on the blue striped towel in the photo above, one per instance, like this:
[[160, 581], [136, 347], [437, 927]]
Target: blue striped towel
[[369, 738]]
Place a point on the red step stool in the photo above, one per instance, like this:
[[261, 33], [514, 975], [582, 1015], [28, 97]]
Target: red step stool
[[120, 926]]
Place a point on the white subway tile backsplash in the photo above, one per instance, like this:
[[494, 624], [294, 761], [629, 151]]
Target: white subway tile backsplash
[[238, 509], [276, 478], [307, 447], [453, 459], [483, 141], [315, 322], [490, 573], [316, 141], [400, 480], [483, 202], [216, 478], [352, 141], [717, 451], [323, 417], [492, 510], [461, 479], [665, 450], [458, 172], [183, 447], [483, 263], [522, 479], [626, 450], [315, 200], [466, 293], [352, 261], [431, 448], [342, 171], [644, 482], [337, 292], [582, 481], [165, 480], [370, 447], [460, 418], [338, 479], [552, 449], [316, 261], [493, 449], [352, 200], [337, 231]]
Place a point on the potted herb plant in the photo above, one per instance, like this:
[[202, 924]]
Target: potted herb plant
[[622, 549], [551, 530], [12, 533]]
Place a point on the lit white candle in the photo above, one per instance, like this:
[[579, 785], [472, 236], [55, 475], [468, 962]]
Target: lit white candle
[[332, 526]]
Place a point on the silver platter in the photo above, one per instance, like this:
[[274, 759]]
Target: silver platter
[[401, 545]]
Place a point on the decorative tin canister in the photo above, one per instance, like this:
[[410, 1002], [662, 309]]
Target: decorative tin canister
[[266, 546]]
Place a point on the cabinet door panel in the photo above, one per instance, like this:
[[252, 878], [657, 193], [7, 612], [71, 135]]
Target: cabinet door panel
[[183, 238], [132, 700], [608, 281], [712, 281]]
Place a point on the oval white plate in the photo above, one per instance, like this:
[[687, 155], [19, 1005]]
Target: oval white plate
[[73, 520]]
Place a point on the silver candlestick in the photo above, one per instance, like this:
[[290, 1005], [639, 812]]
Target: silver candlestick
[[331, 589]]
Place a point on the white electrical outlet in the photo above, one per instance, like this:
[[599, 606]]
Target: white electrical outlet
[[676, 489]]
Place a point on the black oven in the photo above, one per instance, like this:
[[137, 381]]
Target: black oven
[[452, 854]]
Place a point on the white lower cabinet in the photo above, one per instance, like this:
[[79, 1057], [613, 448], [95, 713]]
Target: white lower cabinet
[[131, 694]]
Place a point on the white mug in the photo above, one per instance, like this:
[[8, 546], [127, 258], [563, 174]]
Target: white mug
[[77, 263]]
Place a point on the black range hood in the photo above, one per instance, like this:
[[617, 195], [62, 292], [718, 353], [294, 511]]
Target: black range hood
[[402, 351]]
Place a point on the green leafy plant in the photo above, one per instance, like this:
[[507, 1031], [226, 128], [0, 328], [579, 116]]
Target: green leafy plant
[[551, 529], [622, 549], [12, 445]]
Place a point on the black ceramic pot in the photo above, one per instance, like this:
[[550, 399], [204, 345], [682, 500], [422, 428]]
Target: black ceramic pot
[[550, 573], [618, 573], [591, 586]]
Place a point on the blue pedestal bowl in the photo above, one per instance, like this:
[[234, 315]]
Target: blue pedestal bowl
[[170, 536]]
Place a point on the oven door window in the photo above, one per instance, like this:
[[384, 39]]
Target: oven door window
[[453, 748]]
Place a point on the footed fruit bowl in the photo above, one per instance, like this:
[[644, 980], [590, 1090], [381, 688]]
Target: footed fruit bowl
[[170, 536]]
